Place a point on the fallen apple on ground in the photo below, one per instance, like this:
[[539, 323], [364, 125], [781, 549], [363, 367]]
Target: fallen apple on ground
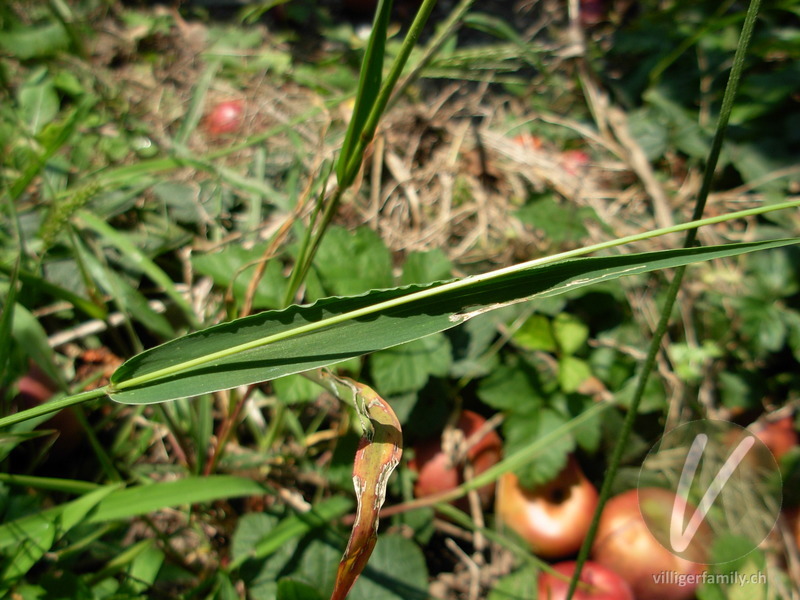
[[552, 518], [225, 117], [434, 468], [625, 544], [596, 583]]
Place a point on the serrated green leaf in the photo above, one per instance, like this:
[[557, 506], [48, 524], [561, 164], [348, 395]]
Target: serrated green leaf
[[588, 433], [559, 221], [350, 262], [572, 372], [234, 266], [512, 389], [408, 367], [654, 398], [289, 589], [38, 101], [299, 338], [396, 571], [294, 389], [519, 585], [424, 267], [520, 430], [294, 526], [535, 334], [570, 332], [34, 42]]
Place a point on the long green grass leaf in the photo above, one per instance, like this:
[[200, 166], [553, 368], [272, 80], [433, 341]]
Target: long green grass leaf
[[369, 84], [140, 500], [38, 283], [299, 338], [145, 264]]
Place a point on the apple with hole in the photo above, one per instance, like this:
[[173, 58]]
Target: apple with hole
[[553, 518], [434, 468], [596, 583], [624, 543]]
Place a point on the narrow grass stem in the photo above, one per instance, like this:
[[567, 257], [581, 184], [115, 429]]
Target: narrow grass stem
[[53, 406], [672, 292]]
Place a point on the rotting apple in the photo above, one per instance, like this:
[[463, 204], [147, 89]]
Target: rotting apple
[[434, 468], [596, 583], [552, 518], [625, 544]]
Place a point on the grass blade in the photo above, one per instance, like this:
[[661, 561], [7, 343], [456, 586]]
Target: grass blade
[[276, 343]]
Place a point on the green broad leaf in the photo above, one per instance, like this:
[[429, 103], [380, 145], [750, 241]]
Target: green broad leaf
[[408, 367], [471, 343], [348, 263], [762, 325], [289, 589], [28, 549], [424, 267], [560, 221], [683, 130], [570, 332], [572, 372], [38, 101], [649, 131], [235, 265], [690, 361], [519, 585], [276, 343], [294, 389], [654, 398], [535, 334], [742, 390], [511, 388], [589, 433], [521, 429], [396, 571], [276, 536], [34, 42]]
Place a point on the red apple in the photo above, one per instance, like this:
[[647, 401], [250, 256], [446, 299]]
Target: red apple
[[596, 583], [225, 117], [552, 518], [437, 474], [625, 544], [574, 162], [779, 436]]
